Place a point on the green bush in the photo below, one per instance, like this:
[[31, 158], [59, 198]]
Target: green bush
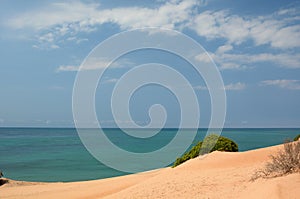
[[206, 146], [297, 137], [194, 152], [223, 144]]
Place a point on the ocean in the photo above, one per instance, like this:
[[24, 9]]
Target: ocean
[[57, 154]]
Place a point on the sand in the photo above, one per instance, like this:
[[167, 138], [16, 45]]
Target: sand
[[217, 175]]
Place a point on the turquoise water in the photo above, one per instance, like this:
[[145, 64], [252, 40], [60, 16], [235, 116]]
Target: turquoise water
[[57, 154]]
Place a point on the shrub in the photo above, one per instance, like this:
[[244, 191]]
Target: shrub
[[286, 161], [194, 152], [297, 137], [222, 144], [208, 145], [3, 181]]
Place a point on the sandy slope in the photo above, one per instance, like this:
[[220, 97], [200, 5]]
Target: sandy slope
[[218, 175]]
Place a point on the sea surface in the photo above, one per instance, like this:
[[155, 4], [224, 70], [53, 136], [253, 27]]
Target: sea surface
[[57, 154]]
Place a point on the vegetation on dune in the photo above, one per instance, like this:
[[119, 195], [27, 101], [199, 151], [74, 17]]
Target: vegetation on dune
[[2, 180], [222, 144], [286, 161], [208, 145], [194, 152], [297, 137]]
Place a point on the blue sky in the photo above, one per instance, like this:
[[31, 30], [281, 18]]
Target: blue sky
[[255, 44]]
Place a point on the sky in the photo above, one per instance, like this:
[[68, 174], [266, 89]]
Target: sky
[[255, 45]]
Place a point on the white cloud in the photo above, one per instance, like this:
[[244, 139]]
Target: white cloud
[[70, 18], [203, 57], [67, 68], [229, 87], [289, 11], [64, 14], [283, 83], [262, 30], [242, 61], [280, 40], [78, 41], [221, 24], [48, 37], [238, 29], [286, 60], [54, 46], [96, 63], [92, 64], [232, 66], [235, 86], [224, 49], [60, 21]]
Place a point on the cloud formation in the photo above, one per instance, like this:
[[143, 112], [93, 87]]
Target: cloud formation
[[226, 59], [66, 19], [262, 30], [229, 87], [94, 64], [278, 32], [283, 83], [235, 86]]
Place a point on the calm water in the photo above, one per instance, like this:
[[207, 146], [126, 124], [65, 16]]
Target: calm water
[[54, 154]]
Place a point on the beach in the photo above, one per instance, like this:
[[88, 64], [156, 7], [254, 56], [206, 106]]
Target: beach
[[216, 175]]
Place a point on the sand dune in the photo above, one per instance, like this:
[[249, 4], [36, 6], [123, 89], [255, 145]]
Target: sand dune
[[217, 175]]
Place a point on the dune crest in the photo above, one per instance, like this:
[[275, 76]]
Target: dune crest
[[216, 175]]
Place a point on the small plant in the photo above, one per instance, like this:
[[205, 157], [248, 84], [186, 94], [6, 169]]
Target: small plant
[[286, 161], [2, 180], [297, 138]]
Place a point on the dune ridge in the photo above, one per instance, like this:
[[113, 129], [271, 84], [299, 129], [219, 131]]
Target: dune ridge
[[216, 175]]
